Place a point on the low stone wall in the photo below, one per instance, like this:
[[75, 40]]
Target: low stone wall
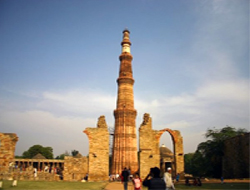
[[75, 169], [28, 175]]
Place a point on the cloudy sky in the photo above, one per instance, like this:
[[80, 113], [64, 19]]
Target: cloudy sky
[[59, 61]]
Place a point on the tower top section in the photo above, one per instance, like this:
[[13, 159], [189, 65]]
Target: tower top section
[[126, 42]]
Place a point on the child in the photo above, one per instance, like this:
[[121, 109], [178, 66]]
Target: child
[[137, 182]]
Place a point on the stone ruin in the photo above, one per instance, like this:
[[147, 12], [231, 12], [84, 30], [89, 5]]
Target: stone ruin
[[96, 164], [149, 151], [7, 150], [98, 151]]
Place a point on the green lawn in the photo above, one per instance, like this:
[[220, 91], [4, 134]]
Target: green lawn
[[61, 185], [53, 185]]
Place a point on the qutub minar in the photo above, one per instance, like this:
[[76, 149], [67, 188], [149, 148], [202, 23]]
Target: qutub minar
[[125, 141]]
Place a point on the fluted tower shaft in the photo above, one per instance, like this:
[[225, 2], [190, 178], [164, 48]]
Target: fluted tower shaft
[[125, 142]]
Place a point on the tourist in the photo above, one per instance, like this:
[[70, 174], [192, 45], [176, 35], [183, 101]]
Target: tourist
[[86, 177], [137, 182], [222, 180], [187, 182], [46, 169], [117, 177], [153, 180], [14, 183], [35, 172], [168, 179], [177, 177], [125, 176], [195, 183], [10, 166], [199, 181]]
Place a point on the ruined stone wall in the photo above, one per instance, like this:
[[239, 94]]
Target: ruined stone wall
[[149, 141], [75, 169], [7, 150], [149, 152], [98, 151], [236, 157]]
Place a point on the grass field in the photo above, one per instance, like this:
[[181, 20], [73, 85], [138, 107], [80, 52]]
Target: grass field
[[62, 185], [53, 185]]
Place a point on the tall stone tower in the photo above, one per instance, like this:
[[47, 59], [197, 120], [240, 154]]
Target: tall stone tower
[[125, 142]]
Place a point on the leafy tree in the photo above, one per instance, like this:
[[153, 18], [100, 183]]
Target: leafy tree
[[211, 151], [47, 152], [194, 163]]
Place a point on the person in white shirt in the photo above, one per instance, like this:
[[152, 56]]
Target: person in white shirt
[[168, 179], [35, 172]]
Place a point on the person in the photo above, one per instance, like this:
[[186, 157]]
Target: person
[[14, 183], [187, 182], [137, 182], [222, 180], [46, 169], [199, 181], [177, 177], [168, 179], [35, 172], [117, 177], [153, 180], [125, 175], [86, 177], [195, 183]]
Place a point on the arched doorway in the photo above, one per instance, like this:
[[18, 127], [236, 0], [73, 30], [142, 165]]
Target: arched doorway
[[149, 141], [178, 157]]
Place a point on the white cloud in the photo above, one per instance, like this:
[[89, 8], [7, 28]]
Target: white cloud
[[221, 91], [61, 133]]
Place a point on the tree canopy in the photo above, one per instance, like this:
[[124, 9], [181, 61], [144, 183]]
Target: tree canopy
[[207, 159], [47, 152]]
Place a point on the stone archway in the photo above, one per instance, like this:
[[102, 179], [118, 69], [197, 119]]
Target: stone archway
[[178, 148], [149, 141]]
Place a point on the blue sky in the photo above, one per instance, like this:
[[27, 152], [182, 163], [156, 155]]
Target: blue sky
[[59, 61]]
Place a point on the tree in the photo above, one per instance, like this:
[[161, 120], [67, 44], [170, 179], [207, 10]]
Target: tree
[[212, 150], [47, 152]]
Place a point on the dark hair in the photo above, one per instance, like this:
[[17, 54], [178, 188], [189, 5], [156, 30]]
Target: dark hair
[[156, 171]]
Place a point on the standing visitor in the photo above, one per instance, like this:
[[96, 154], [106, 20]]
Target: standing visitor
[[14, 183], [168, 179], [137, 182], [178, 177], [125, 175], [35, 172], [222, 180], [153, 180]]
